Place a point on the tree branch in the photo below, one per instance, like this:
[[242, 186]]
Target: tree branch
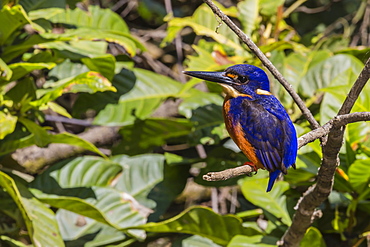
[[34, 158], [266, 62], [318, 193], [336, 123]]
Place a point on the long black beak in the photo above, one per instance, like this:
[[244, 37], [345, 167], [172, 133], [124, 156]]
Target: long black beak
[[218, 77]]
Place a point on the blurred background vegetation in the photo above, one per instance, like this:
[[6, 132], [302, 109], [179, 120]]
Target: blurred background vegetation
[[105, 77]]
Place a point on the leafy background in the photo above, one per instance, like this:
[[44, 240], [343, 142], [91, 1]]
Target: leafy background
[[118, 64]]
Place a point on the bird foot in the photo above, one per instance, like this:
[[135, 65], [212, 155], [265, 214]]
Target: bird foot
[[253, 166]]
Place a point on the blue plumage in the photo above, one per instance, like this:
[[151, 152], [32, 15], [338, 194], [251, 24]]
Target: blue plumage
[[255, 119]]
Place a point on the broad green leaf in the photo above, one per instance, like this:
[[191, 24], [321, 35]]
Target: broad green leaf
[[12, 19], [144, 134], [74, 228], [204, 222], [45, 13], [209, 125], [84, 171], [129, 43], [7, 124], [42, 138], [30, 5], [76, 48], [151, 181], [75, 185], [7, 241], [89, 82], [312, 237], [95, 18], [269, 7], [58, 109], [359, 178], [12, 51], [197, 99], [274, 202], [323, 73], [22, 69], [149, 90], [104, 64], [248, 14], [64, 70], [39, 219], [40, 135], [204, 22], [5, 72], [20, 138], [250, 241], [71, 139], [297, 65], [195, 241], [23, 92]]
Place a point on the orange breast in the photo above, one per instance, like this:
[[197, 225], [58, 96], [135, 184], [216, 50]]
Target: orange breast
[[236, 133]]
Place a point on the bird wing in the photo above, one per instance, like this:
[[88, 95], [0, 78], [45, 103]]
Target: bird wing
[[265, 125]]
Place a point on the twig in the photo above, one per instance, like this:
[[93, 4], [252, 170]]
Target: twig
[[336, 122], [34, 158], [320, 191], [266, 62]]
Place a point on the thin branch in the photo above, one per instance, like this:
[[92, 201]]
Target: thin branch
[[318, 193], [266, 62], [336, 122], [34, 158]]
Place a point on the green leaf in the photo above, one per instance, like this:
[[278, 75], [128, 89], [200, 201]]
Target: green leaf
[[149, 90], [195, 241], [75, 185], [198, 99], [269, 7], [203, 22], [248, 15], [30, 5], [359, 178], [84, 171], [152, 182], [312, 237], [250, 241], [274, 202], [39, 219], [323, 73], [42, 138], [204, 222], [7, 124], [22, 69], [103, 64], [75, 49], [297, 65], [144, 134], [89, 82], [95, 18], [40, 135], [20, 138], [5, 72], [12, 19], [129, 43]]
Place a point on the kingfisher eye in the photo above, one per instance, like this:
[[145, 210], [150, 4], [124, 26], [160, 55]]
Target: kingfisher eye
[[242, 79]]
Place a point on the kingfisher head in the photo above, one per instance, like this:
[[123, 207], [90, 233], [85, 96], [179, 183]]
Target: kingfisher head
[[238, 80]]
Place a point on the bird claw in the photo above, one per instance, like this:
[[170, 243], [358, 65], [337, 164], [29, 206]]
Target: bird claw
[[255, 169]]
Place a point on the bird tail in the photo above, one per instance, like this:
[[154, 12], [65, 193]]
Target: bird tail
[[273, 177]]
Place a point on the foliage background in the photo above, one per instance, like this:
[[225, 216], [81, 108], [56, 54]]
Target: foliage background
[[116, 65]]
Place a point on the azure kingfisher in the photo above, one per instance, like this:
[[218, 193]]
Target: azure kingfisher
[[255, 119]]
